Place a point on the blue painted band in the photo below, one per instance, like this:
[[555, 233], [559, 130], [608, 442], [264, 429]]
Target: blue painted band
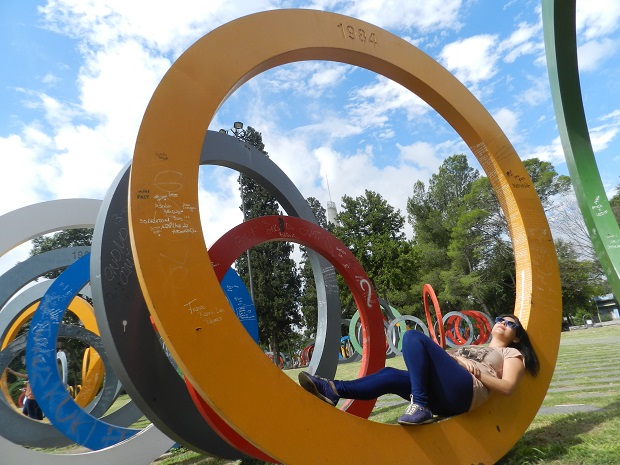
[[61, 410]]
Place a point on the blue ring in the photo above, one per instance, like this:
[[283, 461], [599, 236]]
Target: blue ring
[[62, 411]]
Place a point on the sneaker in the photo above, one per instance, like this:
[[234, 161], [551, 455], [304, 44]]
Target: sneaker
[[416, 414], [320, 387]]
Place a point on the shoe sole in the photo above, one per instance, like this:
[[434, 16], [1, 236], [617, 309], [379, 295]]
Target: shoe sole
[[309, 386], [406, 423]]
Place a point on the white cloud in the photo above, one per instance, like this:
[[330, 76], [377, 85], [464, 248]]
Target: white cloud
[[371, 105], [594, 52], [538, 91], [603, 134], [308, 78], [473, 59], [22, 177], [169, 27], [352, 175], [422, 154], [553, 152], [508, 120], [429, 15], [525, 40], [597, 18]]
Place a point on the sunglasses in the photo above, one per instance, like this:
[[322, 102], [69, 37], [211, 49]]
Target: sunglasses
[[511, 324]]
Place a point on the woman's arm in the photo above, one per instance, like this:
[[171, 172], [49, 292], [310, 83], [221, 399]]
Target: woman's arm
[[513, 371], [17, 373]]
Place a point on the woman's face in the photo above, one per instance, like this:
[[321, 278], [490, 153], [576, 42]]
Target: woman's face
[[505, 329]]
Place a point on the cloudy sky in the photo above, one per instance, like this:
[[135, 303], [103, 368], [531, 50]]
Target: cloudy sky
[[76, 76]]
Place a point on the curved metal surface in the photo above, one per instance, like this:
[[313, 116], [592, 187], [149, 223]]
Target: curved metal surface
[[23, 224], [22, 430], [222, 150], [559, 24], [133, 346], [165, 166], [57, 405]]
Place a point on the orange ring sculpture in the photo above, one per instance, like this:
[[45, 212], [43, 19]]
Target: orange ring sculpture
[[190, 309], [429, 293]]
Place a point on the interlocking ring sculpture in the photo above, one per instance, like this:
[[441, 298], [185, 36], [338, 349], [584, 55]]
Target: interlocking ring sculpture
[[165, 166], [177, 280]]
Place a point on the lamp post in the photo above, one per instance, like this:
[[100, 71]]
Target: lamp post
[[238, 131]]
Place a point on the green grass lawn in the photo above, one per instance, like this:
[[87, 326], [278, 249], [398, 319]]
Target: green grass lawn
[[587, 374]]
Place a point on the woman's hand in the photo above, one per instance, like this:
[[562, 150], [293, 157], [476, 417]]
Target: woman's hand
[[473, 369], [469, 366]]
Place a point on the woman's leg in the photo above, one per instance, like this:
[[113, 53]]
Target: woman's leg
[[385, 381], [437, 380]]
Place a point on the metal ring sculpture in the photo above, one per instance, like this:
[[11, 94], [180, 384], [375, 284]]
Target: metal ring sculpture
[[150, 384], [483, 324], [285, 228], [454, 337], [429, 293], [222, 150], [43, 434], [18, 227], [14, 315], [396, 348], [175, 269], [133, 346], [561, 50], [53, 398]]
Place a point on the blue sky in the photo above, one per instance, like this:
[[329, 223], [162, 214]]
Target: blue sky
[[76, 76]]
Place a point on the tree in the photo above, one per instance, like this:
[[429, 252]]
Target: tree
[[548, 183], [582, 280], [434, 214], [275, 281], [568, 223], [463, 235], [615, 204], [308, 299], [374, 232], [60, 240]]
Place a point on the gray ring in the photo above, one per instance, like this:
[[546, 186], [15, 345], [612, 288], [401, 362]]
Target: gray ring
[[26, 223], [133, 347], [122, 327], [21, 274], [397, 320], [141, 449], [223, 150], [466, 319], [18, 227]]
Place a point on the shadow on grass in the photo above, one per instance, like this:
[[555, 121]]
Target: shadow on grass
[[553, 441]]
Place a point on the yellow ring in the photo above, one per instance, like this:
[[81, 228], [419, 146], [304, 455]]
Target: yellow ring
[[92, 374], [190, 309]]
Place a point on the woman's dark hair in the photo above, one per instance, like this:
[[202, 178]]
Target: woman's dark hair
[[524, 346]]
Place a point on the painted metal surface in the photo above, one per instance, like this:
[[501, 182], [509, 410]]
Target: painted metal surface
[[222, 150], [559, 23], [57, 405], [176, 274], [136, 352]]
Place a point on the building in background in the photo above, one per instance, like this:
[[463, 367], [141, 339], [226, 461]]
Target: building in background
[[607, 307]]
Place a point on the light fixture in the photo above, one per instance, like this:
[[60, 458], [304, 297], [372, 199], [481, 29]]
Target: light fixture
[[238, 125]]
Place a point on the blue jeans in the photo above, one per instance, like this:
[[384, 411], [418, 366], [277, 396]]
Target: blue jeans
[[32, 409], [433, 378]]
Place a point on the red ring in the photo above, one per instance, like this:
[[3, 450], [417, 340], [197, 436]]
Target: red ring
[[292, 229]]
